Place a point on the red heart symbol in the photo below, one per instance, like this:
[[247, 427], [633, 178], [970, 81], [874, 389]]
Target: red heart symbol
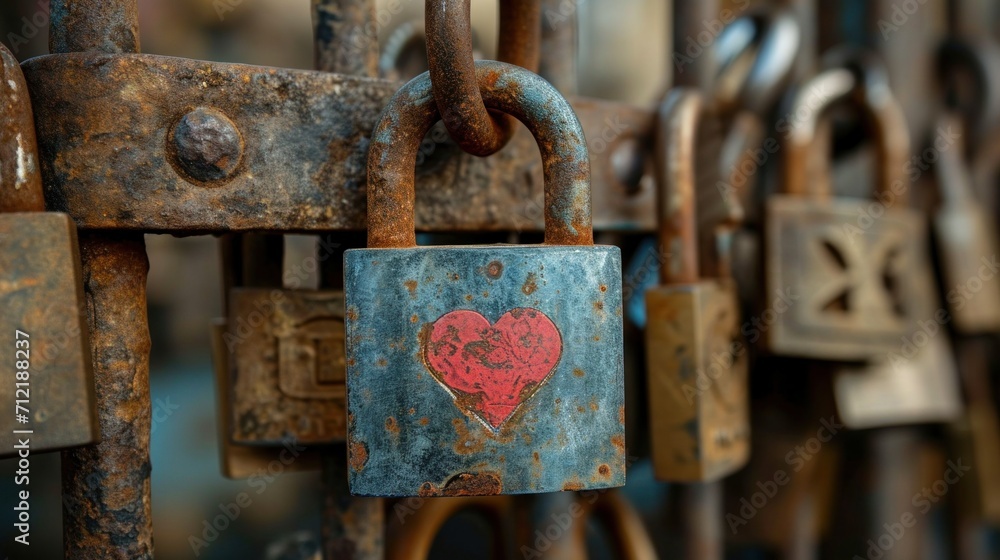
[[492, 369]]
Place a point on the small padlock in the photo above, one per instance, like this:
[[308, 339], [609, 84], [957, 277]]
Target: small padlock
[[244, 461], [288, 366], [966, 239], [484, 369], [849, 267], [697, 362], [43, 336]]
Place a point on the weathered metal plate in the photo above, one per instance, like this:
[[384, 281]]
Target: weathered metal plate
[[287, 374], [428, 330], [698, 395], [244, 461], [291, 150], [41, 295], [849, 285]]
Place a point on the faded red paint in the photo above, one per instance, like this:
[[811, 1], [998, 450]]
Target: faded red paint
[[495, 367]]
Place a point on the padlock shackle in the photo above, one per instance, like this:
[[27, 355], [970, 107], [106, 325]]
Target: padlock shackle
[[888, 124], [20, 178], [676, 144], [506, 88]]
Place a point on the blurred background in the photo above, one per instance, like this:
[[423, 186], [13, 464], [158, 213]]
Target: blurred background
[[624, 55]]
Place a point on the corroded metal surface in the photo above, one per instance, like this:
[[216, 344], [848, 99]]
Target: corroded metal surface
[[353, 528], [109, 26], [453, 72], [106, 505], [306, 135], [287, 371], [345, 36], [20, 179], [512, 90]]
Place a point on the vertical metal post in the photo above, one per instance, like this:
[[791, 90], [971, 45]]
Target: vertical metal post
[[692, 64], [558, 62], [346, 42], [702, 507], [106, 489]]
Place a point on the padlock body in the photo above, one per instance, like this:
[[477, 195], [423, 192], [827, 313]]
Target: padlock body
[[900, 390], [843, 277], [697, 382], [968, 248], [484, 370], [287, 366], [41, 295], [241, 461]]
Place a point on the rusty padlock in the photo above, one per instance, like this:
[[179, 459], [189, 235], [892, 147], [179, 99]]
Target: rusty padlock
[[849, 265], [244, 461], [697, 362], [44, 336], [288, 366], [966, 238], [493, 369]]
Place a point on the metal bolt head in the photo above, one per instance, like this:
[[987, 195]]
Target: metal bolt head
[[207, 146]]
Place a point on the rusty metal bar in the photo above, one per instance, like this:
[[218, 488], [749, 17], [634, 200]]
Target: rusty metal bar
[[690, 65], [106, 488], [703, 512], [107, 164], [558, 62], [107, 26], [346, 43], [107, 511], [345, 36]]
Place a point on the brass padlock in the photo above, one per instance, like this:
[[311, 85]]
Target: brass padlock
[[696, 359], [43, 336], [288, 366], [851, 265], [244, 461], [966, 238]]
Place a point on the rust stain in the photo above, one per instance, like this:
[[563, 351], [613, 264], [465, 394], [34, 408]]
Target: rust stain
[[381, 362], [391, 425], [411, 286], [468, 297], [578, 372], [352, 314], [621, 415], [465, 484], [604, 288], [486, 294], [412, 411], [359, 456], [572, 486], [536, 457], [604, 471], [424, 421], [593, 405], [530, 285], [413, 318], [599, 306], [619, 442], [494, 269]]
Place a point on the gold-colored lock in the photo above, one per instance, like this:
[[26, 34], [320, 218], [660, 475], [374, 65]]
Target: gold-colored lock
[[696, 359], [43, 337], [288, 366], [856, 266]]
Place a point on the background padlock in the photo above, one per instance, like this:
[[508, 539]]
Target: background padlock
[[850, 264], [696, 359], [43, 336], [485, 369], [966, 239], [288, 365]]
